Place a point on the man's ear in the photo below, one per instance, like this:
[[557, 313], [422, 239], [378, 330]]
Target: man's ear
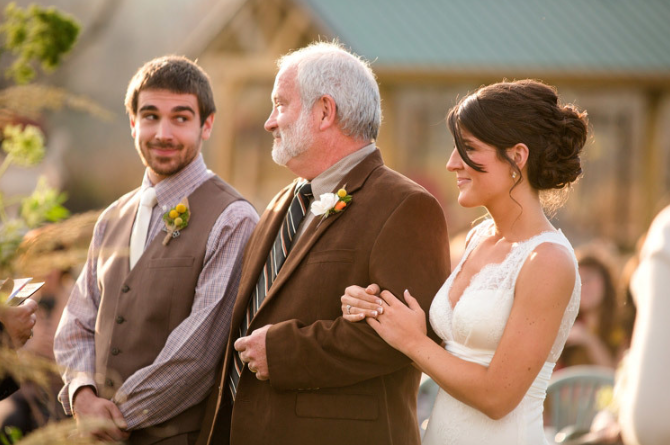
[[207, 127], [327, 112], [132, 127], [519, 155]]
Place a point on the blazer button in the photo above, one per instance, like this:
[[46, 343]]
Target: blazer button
[[125, 288], [116, 351], [108, 382], [120, 319]]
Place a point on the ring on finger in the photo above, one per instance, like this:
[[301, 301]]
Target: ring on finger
[[252, 369], [349, 309]]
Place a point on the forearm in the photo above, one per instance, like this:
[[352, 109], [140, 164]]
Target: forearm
[[327, 354], [335, 353], [74, 341], [69, 391], [76, 358], [182, 374], [466, 381], [167, 393]]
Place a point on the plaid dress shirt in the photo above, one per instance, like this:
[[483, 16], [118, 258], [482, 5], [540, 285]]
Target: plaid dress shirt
[[183, 373]]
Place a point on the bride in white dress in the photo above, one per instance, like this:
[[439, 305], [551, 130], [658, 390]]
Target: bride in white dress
[[506, 310]]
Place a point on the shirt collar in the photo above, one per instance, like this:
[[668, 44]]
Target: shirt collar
[[330, 178], [174, 188]]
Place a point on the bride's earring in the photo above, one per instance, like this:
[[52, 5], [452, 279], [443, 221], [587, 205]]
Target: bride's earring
[[513, 175]]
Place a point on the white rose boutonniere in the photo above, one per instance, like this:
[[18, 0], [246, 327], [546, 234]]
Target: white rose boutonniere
[[330, 203], [326, 202]]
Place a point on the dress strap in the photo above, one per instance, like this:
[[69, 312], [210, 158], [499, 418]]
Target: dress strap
[[476, 234], [521, 252]]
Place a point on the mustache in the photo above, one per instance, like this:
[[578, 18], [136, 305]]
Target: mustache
[[164, 144]]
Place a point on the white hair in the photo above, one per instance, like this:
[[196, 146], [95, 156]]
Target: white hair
[[326, 68]]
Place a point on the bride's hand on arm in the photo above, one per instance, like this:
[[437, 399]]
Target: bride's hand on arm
[[358, 303], [400, 326]]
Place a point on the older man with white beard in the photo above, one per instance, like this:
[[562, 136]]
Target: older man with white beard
[[296, 372]]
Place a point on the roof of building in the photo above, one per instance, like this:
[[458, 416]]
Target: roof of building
[[569, 36]]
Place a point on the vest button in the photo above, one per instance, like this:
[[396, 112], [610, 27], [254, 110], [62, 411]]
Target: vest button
[[120, 319], [116, 351], [108, 382], [125, 288]]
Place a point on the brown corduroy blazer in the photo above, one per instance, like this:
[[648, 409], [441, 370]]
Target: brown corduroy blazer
[[332, 381]]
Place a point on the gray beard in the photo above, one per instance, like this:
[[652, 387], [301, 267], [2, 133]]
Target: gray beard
[[295, 140]]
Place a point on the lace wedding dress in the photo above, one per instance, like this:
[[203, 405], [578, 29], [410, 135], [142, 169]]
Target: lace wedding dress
[[472, 331]]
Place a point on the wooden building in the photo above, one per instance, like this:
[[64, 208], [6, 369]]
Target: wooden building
[[611, 57]]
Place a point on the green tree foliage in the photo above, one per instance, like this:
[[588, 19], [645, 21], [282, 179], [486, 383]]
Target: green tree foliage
[[33, 35], [36, 34], [24, 146]]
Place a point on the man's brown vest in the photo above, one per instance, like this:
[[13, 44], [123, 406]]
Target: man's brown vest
[[139, 308]]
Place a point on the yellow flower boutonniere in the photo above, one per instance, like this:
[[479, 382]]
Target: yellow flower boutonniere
[[176, 219], [331, 203]]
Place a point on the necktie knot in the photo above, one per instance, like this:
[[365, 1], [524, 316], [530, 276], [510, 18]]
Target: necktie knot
[[138, 236], [148, 198], [305, 190]]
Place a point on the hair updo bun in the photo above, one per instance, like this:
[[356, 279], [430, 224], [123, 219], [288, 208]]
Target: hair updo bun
[[559, 163], [526, 111]]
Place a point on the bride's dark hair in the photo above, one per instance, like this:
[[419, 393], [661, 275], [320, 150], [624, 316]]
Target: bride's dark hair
[[524, 111]]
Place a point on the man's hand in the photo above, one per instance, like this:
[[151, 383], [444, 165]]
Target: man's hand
[[18, 322], [359, 303], [252, 352], [87, 405]]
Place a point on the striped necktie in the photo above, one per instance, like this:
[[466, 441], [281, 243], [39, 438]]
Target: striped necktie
[[280, 250]]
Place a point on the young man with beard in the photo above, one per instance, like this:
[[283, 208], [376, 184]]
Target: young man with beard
[[136, 340], [295, 372]]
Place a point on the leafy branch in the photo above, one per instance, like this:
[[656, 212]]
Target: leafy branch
[[34, 36]]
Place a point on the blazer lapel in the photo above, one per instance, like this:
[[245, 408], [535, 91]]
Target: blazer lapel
[[255, 256], [258, 250], [354, 180]]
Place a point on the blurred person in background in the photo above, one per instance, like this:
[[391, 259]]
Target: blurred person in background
[[50, 254], [644, 404], [625, 300], [33, 406], [595, 336], [605, 428]]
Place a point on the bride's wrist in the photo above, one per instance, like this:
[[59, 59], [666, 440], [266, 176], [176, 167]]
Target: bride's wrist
[[413, 346]]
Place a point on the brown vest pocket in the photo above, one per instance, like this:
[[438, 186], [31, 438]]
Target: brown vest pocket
[[186, 261], [337, 406]]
